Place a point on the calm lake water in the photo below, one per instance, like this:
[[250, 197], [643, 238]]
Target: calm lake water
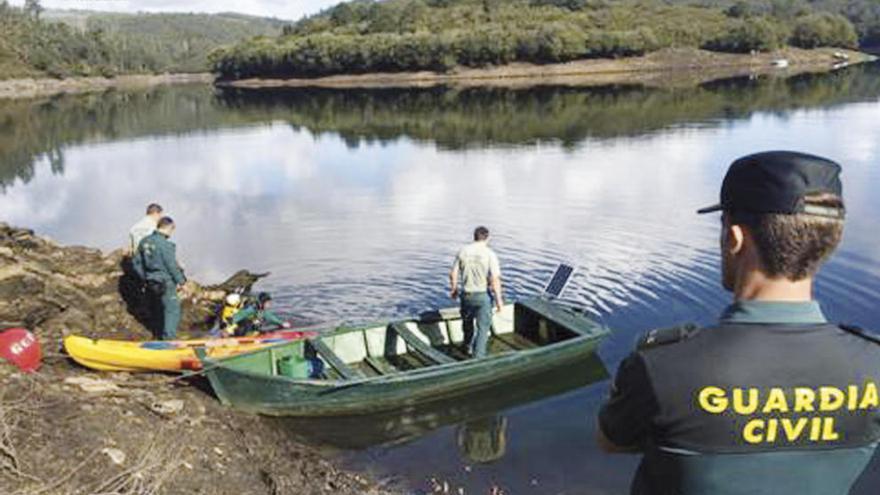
[[356, 201]]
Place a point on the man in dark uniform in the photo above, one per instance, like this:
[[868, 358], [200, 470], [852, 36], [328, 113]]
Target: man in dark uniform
[[156, 263], [774, 399]]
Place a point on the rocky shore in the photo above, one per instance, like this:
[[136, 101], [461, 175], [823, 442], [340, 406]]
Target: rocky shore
[[66, 430]]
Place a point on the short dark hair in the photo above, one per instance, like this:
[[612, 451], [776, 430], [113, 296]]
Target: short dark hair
[[164, 222], [793, 246], [481, 233], [154, 208]]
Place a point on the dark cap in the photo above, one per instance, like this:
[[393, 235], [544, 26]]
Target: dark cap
[[778, 182]]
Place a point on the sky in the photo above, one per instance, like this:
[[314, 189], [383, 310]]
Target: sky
[[283, 9]]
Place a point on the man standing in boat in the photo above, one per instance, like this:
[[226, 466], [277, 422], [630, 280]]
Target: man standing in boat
[[774, 398], [156, 263], [476, 265]]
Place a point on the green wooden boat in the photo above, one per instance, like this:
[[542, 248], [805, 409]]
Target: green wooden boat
[[387, 367]]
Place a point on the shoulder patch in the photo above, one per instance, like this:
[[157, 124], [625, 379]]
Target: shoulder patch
[[861, 332], [666, 336]]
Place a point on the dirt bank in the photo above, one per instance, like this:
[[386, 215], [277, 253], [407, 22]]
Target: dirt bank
[[671, 66], [68, 430], [33, 88]]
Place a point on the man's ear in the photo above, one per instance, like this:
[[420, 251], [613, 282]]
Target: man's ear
[[735, 239]]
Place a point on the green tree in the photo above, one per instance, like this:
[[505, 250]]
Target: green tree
[[751, 34], [824, 29]]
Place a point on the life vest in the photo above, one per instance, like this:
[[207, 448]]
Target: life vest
[[229, 311], [245, 327]]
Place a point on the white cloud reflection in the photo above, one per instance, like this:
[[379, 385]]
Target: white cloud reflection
[[370, 227]]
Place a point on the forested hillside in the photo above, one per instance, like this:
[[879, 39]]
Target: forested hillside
[[864, 14], [403, 35], [35, 42], [172, 42]]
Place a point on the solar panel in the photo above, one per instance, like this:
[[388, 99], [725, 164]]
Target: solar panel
[[559, 281]]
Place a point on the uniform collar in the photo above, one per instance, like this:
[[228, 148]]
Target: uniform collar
[[771, 312]]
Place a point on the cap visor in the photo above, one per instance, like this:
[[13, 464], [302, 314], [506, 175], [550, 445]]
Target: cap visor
[[710, 209]]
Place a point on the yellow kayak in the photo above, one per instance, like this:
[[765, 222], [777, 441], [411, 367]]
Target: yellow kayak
[[132, 356]]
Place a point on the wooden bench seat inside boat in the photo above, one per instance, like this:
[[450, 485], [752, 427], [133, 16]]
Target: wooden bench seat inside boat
[[423, 347], [435, 339], [333, 360]]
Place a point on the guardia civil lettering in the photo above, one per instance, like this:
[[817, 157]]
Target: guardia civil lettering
[[766, 405]]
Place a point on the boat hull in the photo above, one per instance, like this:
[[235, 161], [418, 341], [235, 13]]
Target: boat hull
[[280, 396]]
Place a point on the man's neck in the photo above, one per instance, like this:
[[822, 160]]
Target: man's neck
[[759, 287]]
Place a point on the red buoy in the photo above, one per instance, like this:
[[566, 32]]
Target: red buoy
[[21, 348]]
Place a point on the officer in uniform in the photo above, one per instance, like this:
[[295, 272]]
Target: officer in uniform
[[156, 263], [774, 399]]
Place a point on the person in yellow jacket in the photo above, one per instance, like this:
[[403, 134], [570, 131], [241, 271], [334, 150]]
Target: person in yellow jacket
[[239, 317], [232, 304]]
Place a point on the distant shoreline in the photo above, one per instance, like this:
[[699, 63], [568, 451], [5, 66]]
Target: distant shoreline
[[41, 87], [662, 67]]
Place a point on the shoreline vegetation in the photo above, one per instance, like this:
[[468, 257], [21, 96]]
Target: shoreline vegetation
[[672, 67], [441, 37], [364, 43], [669, 67]]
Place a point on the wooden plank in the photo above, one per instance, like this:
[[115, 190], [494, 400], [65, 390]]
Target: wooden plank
[[380, 366], [515, 341], [501, 345], [456, 352], [333, 360], [495, 347], [406, 362], [367, 370], [414, 342]]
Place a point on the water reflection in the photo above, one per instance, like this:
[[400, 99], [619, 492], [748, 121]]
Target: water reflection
[[33, 131], [478, 117], [483, 440], [357, 201]]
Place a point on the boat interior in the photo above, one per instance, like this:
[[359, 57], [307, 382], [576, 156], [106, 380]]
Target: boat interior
[[435, 338]]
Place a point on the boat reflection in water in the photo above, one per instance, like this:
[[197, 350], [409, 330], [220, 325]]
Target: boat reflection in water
[[483, 431]]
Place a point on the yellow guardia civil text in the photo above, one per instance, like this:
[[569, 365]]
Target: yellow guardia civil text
[[805, 404]]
